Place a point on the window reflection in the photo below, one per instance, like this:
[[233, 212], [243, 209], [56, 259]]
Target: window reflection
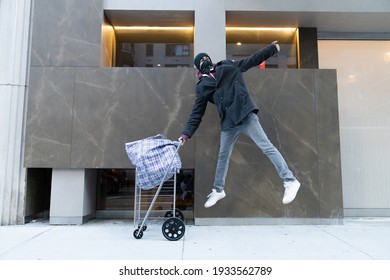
[[173, 47], [242, 42], [286, 58], [154, 55]]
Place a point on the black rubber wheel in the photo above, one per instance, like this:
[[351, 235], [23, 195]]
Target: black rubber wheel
[[143, 228], [173, 229], [138, 234], [178, 214]]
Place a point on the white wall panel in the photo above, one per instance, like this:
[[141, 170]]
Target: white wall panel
[[363, 74]]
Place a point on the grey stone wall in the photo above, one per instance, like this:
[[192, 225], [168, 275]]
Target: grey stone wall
[[299, 113], [80, 115], [81, 118], [66, 33]]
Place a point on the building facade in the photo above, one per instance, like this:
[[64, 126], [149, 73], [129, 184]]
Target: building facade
[[81, 78]]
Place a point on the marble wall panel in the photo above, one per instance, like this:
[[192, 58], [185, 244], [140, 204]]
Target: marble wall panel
[[288, 115], [49, 117], [328, 139], [81, 117], [118, 105], [66, 33]]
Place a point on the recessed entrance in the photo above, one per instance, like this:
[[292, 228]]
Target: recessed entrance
[[116, 190]]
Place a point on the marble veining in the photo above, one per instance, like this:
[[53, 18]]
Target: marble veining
[[80, 117], [72, 32]]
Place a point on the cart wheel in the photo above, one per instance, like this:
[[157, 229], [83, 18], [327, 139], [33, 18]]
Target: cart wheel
[[138, 234], [178, 214], [143, 228], [173, 229]]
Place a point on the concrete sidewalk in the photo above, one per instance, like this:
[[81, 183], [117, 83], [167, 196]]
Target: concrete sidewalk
[[356, 239]]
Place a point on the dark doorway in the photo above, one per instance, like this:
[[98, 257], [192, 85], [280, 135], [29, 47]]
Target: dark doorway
[[38, 191]]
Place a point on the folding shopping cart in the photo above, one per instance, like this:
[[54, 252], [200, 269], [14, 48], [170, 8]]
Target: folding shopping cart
[[157, 162]]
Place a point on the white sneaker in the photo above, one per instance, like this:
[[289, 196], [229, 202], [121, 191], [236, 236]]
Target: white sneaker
[[214, 197], [291, 189]]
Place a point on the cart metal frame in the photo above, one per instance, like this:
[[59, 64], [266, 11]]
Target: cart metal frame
[[173, 227]]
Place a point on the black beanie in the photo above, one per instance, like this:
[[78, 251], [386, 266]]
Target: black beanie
[[197, 59]]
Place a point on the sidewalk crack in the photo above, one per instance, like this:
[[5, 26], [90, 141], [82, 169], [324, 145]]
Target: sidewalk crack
[[346, 243], [7, 250]]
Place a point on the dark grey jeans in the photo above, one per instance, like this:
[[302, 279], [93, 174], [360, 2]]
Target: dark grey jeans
[[251, 127]]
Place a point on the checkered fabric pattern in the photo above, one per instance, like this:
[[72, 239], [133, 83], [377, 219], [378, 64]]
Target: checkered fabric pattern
[[152, 157]]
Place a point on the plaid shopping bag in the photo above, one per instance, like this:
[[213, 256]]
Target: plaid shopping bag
[[152, 157]]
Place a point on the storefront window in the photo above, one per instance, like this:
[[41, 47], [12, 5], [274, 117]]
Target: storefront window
[[154, 55], [363, 90], [116, 190], [153, 46], [242, 42]]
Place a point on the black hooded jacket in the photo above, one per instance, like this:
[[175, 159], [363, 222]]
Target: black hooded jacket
[[227, 92]]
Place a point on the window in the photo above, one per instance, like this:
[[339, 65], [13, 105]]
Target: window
[[177, 50], [154, 55], [243, 42], [153, 46], [177, 65], [116, 191], [149, 49], [363, 70]]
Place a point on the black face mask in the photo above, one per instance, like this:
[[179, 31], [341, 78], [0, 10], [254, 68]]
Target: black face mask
[[206, 66]]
